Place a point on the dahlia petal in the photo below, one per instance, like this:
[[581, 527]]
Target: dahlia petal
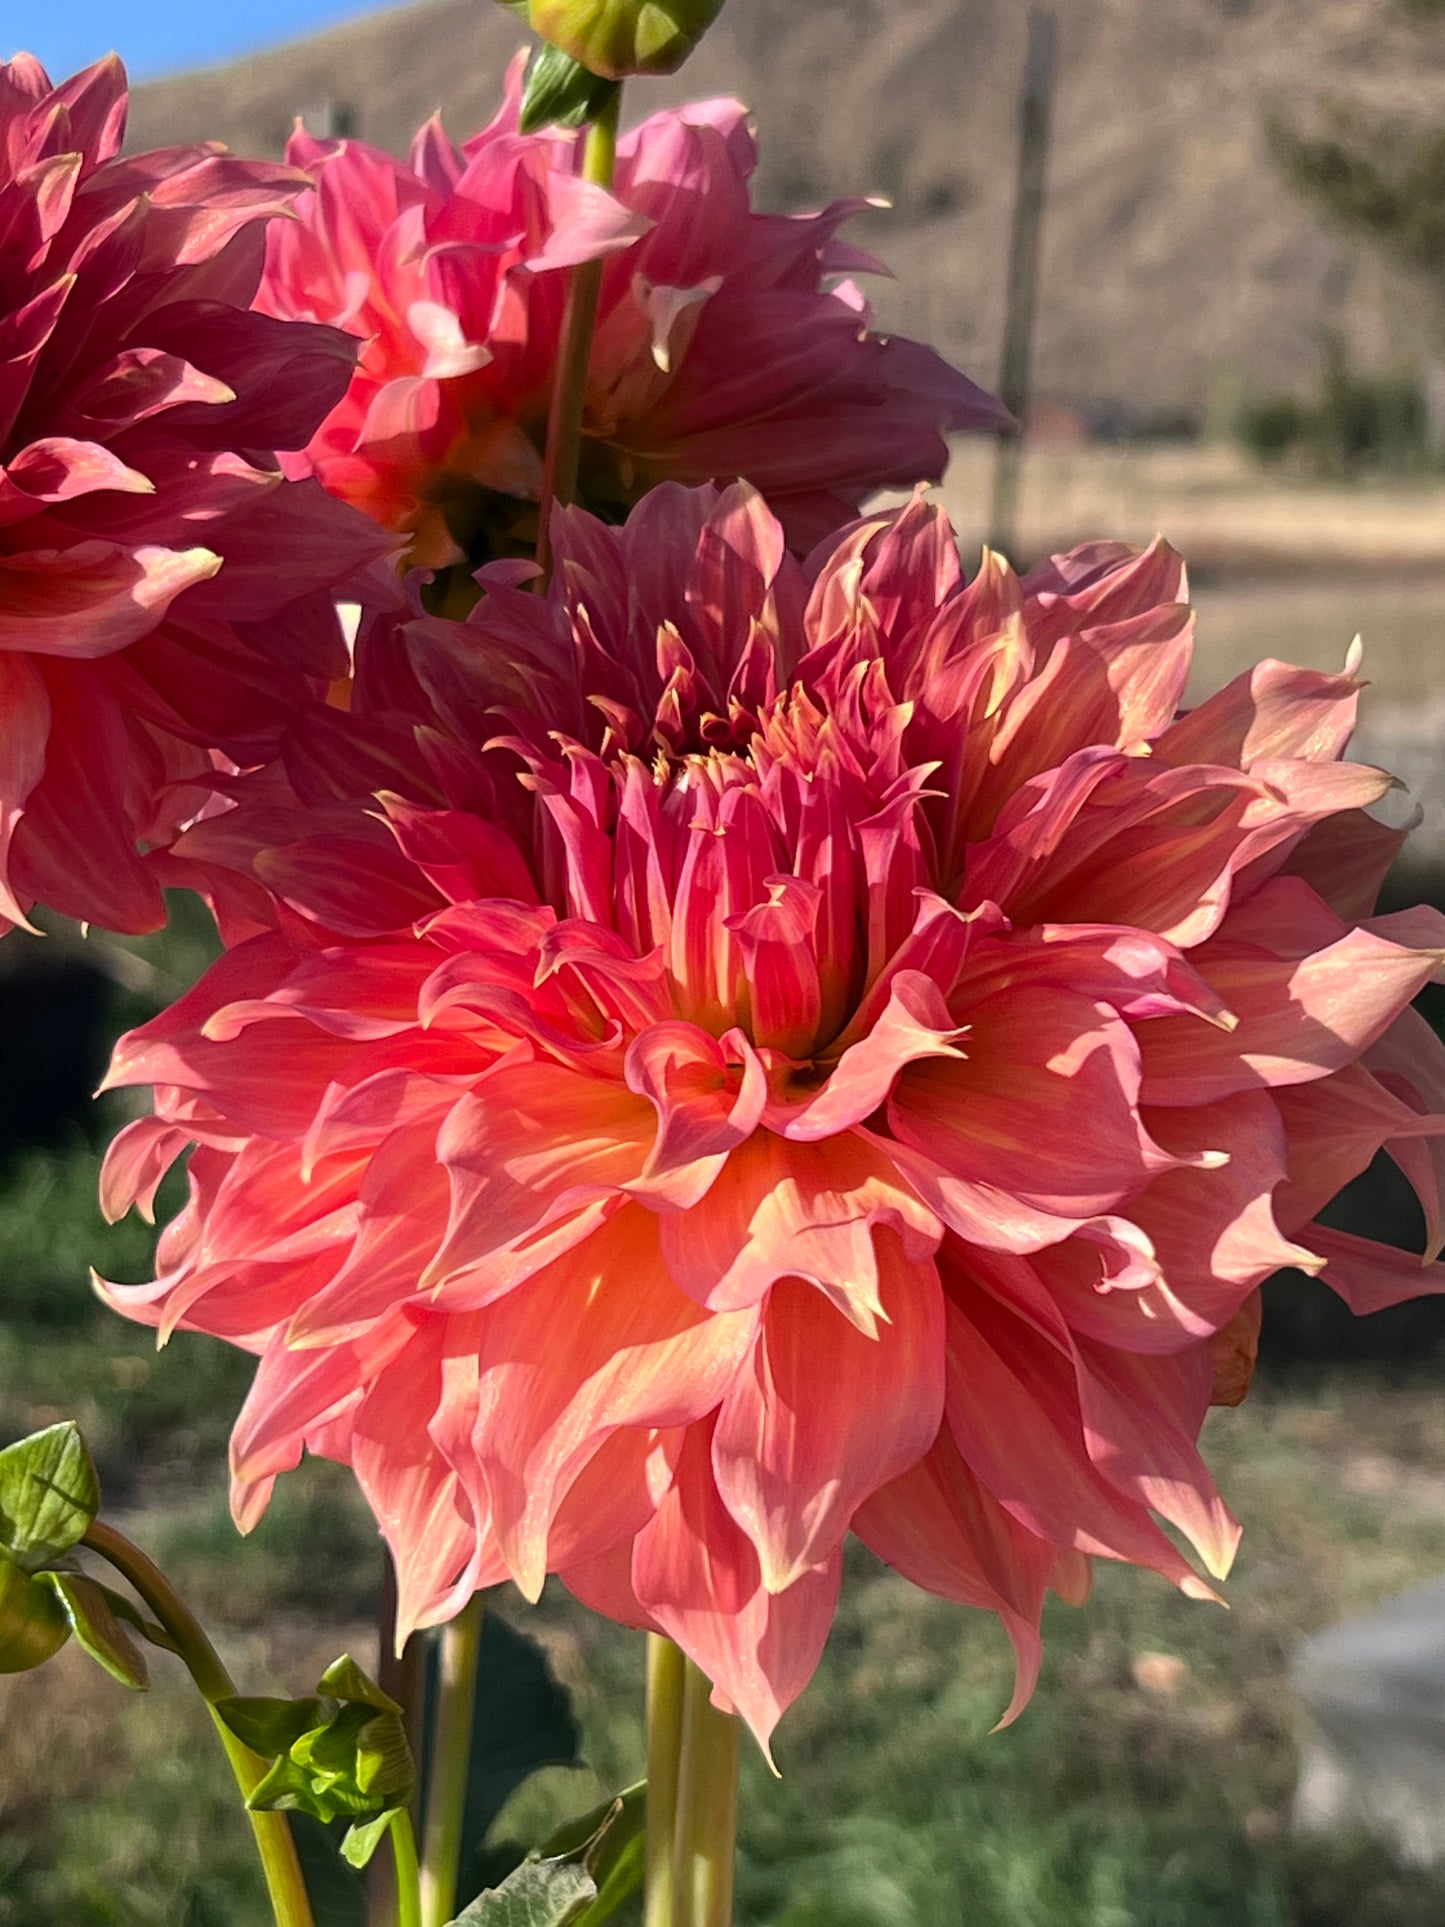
[[1013, 1411], [776, 942], [73, 846], [1273, 710], [822, 1415], [915, 1024], [528, 1145], [401, 1196], [424, 1512], [1118, 685], [58, 468], [1030, 1060], [350, 884], [605, 1584], [1409, 1061], [1336, 1125], [1214, 1239], [1345, 860], [944, 1531], [1141, 1417], [696, 1576], [26, 707], [587, 223], [289, 1395], [784, 1210], [463, 857], [1371, 1276], [93, 598], [640, 1354], [351, 993], [684, 1073], [613, 1497], [980, 1213], [1299, 1018], [136, 1160]]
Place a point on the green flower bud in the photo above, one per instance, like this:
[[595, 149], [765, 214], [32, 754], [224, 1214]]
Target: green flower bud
[[616, 38], [339, 1754], [33, 1625]]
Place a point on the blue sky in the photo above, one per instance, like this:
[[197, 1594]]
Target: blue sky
[[159, 36]]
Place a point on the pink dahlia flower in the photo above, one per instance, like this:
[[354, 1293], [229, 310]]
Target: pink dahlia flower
[[726, 342], [865, 1092], [162, 586]]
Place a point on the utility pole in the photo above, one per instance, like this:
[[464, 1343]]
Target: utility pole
[[1035, 116]]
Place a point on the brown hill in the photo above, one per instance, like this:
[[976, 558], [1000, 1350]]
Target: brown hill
[[1176, 265]]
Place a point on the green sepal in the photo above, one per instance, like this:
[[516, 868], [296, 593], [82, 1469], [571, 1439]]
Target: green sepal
[[49, 1496], [91, 1611], [345, 1680], [271, 1727], [33, 1624], [363, 1839], [561, 92]]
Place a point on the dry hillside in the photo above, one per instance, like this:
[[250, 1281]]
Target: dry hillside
[[1175, 262]]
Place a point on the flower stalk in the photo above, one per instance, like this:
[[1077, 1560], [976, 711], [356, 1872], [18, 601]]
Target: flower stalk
[[408, 1873], [569, 385], [692, 1795], [285, 1886], [705, 1841], [666, 1682], [446, 1781]]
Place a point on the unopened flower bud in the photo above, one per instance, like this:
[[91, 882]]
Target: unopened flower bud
[[32, 1624], [621, 37]]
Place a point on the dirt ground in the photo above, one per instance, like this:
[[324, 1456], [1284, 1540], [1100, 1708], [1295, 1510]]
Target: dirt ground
[[1280, 565]]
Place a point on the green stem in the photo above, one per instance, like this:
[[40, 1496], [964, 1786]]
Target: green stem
[[666, 1675], [579, 317], [446, 1789], [707, 1808], [284, 1884], [408, 1874]]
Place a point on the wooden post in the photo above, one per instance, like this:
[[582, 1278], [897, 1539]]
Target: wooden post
[[1035, 113]]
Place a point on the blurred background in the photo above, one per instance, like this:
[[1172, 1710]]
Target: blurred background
[[1240, 342]]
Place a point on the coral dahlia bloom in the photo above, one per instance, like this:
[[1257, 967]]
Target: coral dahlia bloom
[[864, 1094], [162, 585], [723, 347]]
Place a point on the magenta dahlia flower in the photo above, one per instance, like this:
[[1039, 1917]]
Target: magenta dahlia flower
[[162, 585], [862, 1090], [723, 346]]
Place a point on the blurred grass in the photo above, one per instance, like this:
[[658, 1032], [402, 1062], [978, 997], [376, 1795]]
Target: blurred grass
[[1148, 1785]]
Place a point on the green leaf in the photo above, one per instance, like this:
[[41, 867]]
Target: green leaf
[[271, 1727], [609, 1844], [363, 1839], [94, 1622], [616, 1855], [33, 1625], [546, 1893], [624, 1878], [49, 1495], [561, 92], [522, 1722]]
